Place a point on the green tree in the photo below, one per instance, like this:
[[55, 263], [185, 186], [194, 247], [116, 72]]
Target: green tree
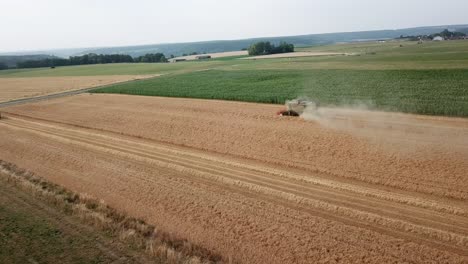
[[265, 48]]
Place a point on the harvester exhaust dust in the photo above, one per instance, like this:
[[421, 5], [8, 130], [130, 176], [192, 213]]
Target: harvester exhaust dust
[[297, 107]]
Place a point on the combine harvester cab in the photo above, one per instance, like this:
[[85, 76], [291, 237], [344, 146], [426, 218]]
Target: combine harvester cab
[[297, 107]]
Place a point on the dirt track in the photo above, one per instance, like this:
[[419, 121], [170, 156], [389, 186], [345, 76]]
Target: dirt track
[[326, 194]]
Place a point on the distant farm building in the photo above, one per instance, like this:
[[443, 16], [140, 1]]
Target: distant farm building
[[203, 57], [438, 38], [177, 60]]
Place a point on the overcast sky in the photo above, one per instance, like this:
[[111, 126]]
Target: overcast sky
[[50, 24]]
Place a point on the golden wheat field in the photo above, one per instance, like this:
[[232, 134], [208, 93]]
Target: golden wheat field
[[337, 187], [17, 88]]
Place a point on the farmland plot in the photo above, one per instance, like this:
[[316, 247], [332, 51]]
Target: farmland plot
[[254, 187], [17, 88]]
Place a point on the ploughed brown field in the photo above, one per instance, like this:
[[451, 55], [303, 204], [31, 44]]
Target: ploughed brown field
[[17, 88], [340, 185]]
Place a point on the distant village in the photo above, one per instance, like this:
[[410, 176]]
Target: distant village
[[444, 35]]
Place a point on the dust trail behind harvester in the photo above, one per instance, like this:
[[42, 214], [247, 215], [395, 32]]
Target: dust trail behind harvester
[[406, 132]]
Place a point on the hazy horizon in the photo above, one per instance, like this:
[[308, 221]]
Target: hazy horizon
[[54, 24]]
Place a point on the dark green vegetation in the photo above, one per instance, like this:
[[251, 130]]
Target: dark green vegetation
[[429, 78], [90, 58], [151, 57], [265, 48]]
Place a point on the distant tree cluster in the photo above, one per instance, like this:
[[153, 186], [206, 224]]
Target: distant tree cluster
[[446, 34], [189, 54], [3, 66], [92, 58], [43, 63], [265, 48], [151, 57]]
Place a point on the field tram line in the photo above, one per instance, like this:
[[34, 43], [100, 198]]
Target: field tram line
[[417, 202], [424, 202], [236, 171], [209, 164], [370, 192], [322, 204], [254, 196]]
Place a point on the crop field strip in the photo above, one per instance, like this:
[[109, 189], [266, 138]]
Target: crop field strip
[[425, 202], [114, 69], [383, 76], [436, 92], [438, 229], [201, 125]]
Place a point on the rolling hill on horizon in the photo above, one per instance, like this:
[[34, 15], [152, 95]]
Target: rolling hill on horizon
[[213, 46]]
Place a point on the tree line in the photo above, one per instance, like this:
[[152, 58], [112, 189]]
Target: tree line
[[265, 48], [92, 58]]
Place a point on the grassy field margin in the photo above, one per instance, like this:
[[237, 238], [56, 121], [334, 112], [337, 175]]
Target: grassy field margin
[[163, 247]]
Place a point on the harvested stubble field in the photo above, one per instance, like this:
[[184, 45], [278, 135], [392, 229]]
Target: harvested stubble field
[[25, 87], [254, 187]]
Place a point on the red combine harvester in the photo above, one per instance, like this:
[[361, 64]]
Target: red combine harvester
[[297, 106]]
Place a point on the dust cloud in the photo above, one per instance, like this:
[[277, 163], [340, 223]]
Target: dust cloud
[[406, 132]]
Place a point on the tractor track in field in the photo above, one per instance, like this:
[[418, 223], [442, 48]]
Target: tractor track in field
[[432, 223]]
